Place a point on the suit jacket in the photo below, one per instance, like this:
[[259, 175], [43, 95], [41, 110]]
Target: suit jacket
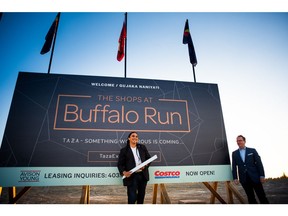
[[252, 166], [126, 161]]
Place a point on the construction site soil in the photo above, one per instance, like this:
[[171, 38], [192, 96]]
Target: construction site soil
[[182, 193]]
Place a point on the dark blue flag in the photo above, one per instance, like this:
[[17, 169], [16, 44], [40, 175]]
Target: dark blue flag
[[50, 35], [188, 40]]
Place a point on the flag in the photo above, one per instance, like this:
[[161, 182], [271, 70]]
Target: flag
[[123, 35], [49, 36], [188, 40]]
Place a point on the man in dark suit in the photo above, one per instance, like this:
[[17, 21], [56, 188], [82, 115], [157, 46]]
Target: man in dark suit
[[250, 171], [131, 156]]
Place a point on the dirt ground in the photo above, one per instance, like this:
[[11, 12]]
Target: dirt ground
[[187, 193]]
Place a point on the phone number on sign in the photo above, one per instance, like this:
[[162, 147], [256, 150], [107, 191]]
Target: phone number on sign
[[114, 175]]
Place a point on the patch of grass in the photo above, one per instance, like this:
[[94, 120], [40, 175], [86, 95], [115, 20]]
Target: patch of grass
[[284, 176]]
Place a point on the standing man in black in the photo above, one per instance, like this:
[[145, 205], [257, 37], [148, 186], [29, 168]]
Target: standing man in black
[[250, 171], [131, 156]]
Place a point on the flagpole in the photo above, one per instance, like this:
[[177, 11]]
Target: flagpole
[[54, 40], [194, 73], [125, 57]]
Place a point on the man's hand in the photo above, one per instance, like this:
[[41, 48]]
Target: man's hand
[[262, 179]]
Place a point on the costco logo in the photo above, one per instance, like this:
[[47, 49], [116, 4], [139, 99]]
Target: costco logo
[[166, 174]]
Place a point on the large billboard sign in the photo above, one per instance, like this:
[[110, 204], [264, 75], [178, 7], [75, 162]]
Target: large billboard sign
[[69, 129]]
